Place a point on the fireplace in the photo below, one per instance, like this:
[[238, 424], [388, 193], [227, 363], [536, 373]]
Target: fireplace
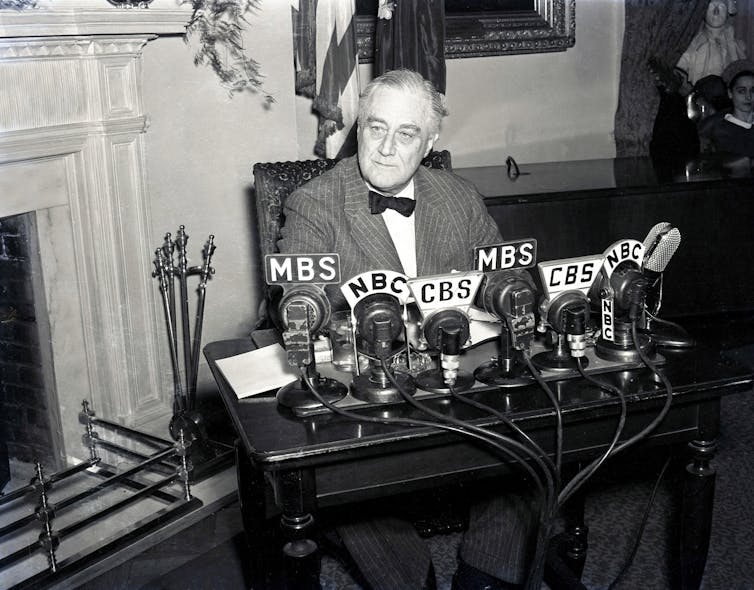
[[72, 136], [29, 413]]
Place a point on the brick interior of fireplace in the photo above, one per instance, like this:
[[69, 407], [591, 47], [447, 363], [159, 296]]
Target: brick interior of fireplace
[[27, 416]]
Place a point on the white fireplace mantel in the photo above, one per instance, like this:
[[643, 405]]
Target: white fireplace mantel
[[72, 136], [95, 17]]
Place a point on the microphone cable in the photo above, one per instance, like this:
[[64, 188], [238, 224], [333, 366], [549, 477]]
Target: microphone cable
[[668, 398], [545, 534], [510, 424], [615, 449], [547, 510], [414, 422], [642, 525], [659, 320], [558, 414], [547, 496], [582, 476], [484, 435]]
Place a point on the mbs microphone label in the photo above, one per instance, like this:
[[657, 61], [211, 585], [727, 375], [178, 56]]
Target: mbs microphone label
[[282, 269], [516, 254]]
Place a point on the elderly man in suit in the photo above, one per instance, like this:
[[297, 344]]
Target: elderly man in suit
[[382, 210], [398, 124]]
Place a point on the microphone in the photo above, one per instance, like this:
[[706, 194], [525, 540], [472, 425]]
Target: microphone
[[446, 330], [444, 301], [304, 310], [663, 249], [567, 316], [662, 332], [564, 310], [509, 295], [657, 231], [621, 291], [379, 323]]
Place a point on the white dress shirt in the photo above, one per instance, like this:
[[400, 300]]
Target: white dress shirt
[[402, 231]]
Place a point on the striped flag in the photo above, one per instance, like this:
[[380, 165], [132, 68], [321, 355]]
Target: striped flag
[[337, 80]]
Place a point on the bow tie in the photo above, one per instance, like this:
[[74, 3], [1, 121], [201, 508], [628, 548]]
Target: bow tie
[[378, 203]]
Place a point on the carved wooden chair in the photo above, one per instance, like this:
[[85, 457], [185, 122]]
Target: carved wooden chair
[[274, 181]]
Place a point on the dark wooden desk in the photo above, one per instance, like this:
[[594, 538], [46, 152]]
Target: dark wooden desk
[[327, 460]]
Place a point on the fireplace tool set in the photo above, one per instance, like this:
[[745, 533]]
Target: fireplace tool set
[[68, 525], [171, 266]]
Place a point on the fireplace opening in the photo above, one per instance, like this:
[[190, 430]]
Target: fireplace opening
[[30, 427]]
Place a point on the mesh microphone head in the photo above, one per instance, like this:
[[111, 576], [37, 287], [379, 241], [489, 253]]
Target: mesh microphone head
[[663, 251], [650, 242]]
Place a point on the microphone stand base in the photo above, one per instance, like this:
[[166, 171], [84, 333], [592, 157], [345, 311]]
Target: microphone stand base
[[297, 396], [434, 382], [554, 360], [491, 373], [367, 390], [623, 353]]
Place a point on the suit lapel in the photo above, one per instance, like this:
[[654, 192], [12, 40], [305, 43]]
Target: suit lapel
[[369, 232]]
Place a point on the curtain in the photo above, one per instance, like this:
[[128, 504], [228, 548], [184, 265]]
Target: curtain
[[660, 29], [413, 38]]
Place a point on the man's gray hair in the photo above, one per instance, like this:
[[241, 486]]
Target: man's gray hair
[[413, 82]]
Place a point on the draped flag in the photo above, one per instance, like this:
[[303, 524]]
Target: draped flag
[[410, 34], [327, 70]]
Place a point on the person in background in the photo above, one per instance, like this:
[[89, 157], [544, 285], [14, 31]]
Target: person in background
[[731, 131], [430, 223]]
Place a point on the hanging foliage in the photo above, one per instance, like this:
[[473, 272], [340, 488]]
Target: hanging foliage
[[219, 25]]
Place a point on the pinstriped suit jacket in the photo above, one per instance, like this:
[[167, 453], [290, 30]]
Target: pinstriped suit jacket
[[331, 214]]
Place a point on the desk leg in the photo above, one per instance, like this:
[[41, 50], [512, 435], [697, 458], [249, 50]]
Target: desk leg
[[696, 512], [301, 559], [252, 502]]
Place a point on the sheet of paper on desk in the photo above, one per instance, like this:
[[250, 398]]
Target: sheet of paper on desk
[[257, 371], [482, 326]]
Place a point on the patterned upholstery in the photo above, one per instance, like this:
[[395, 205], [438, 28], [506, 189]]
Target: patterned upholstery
[[274, 181]]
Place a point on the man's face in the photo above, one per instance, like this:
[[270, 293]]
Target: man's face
[[717, 13], [741, 95], [393, 137]]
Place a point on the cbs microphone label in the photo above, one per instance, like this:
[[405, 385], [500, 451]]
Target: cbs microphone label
[[622, 251], [516, 254], [375, 281], [282, 269], [448, 290], [569, 273]]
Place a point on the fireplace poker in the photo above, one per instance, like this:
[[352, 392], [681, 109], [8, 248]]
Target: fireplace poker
[[168, 249], [165, 275], [205, 274], [181, 241]]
